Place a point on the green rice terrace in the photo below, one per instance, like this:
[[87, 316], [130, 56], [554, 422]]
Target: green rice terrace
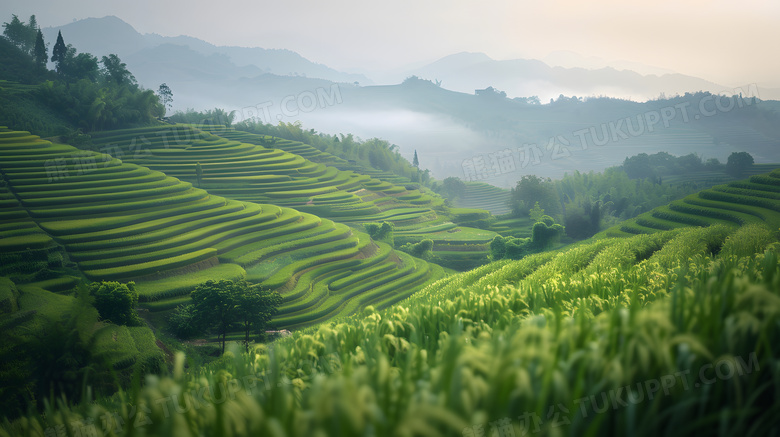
[[678, 323], [113, 220], [480, 195], [243, 166], [755, 200], [540, 345]]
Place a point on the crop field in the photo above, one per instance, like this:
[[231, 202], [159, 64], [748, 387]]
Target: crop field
[[120, 221], [679, 325], [255, 168], [480, 195], [754, 200], [267, 170]]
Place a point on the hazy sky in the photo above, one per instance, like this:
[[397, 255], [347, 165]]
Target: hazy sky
[[724, 41]]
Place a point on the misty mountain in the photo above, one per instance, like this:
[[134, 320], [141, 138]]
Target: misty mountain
[[466, 72], [569, 59], [145, 54]]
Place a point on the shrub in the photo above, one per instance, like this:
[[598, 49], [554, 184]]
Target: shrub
[[116, 302]]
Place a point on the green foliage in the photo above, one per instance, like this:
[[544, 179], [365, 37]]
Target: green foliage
[[219, 305], [183, 322], [644, 166], [216, 307], [544, 234], [594, 201], [18, 66], [738, 162], [59, 52], [256, 307], [452, 188], [532, 189], [420, 250], [166, 96], [39, 51], [22, 35], [383, 232], [92, 106], [115, 71], [556, 330], [536, 213], [116, 302]]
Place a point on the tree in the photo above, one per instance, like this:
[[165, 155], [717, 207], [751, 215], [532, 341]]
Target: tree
[[498, 248], [78, 66], [166, 96], [453, 187], [219, 305], [216, 306], [256, 307], [738, 162], [22, 35], [114, 70], [420, 250], [59, 52], [116, 302], [531, 189], [536, 213], [183, 322], [638, 166], [39, 52], [198, 173], [415, 161]]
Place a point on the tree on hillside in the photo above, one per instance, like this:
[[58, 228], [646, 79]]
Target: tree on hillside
[[531, 189], [80, 66], [116, 302], [39, 52], [453, 187], [738, 162], [415, 161], [114, 70], [256, 307], [166, 96], [198, 173], [638, 167], [22, 35], [216, 306], [58, 53]]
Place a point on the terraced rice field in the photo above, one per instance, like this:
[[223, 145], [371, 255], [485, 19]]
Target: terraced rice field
[[122, 221], [244, 167], [753, 200], [480, 195]]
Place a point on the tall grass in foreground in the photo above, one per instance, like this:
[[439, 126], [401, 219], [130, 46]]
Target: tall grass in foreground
[[667, 340]]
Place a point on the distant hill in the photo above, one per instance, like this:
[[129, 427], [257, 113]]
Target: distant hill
[[180, 60], [466, 72]]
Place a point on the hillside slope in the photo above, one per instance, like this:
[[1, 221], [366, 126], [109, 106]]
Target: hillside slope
[[121, 221]]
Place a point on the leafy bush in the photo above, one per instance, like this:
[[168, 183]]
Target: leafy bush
[[116, 302]]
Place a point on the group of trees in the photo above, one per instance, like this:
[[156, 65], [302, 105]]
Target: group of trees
[[90, 93], [589, 202], [27, 37], [657, 165], [221, 306]]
